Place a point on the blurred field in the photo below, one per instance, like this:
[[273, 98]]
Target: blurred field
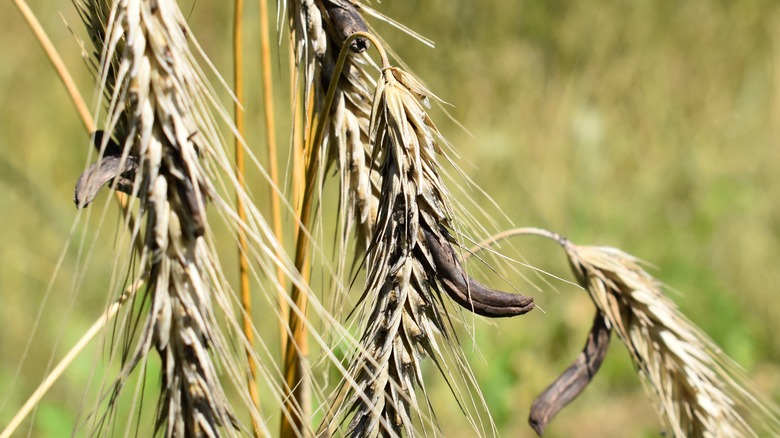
[[649, 126]]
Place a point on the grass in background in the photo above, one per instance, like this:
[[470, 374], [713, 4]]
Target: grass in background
[[648, 126]]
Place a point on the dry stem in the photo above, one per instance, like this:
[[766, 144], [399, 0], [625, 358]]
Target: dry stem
[[243, 250], [80, 345], [296, 351]]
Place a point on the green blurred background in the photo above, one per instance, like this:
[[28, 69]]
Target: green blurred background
[[649, 126]]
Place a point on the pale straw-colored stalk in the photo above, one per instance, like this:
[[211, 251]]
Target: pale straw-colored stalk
[[68, 359], [58, 64], [296, 351], [366, 140]]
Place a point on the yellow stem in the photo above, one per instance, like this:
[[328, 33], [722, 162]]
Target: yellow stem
[[273, 165], [297, 141], [56, 61], [296, 347], [75, 97], [243, 251], [58, 370], [297, 390]]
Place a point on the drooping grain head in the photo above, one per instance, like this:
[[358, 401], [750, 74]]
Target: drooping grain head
[[701, 392]]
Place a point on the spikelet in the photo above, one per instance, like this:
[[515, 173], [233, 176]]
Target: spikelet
[[157, 112], [701, 392]]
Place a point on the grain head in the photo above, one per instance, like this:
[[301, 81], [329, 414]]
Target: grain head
[[701, 392], [157, 113]]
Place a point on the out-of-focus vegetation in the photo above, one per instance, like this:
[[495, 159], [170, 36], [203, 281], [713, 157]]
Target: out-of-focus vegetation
[[649, 126]]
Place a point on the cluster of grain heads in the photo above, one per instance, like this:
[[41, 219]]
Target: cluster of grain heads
[[162, 129], [379, 136], [386, 149]]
